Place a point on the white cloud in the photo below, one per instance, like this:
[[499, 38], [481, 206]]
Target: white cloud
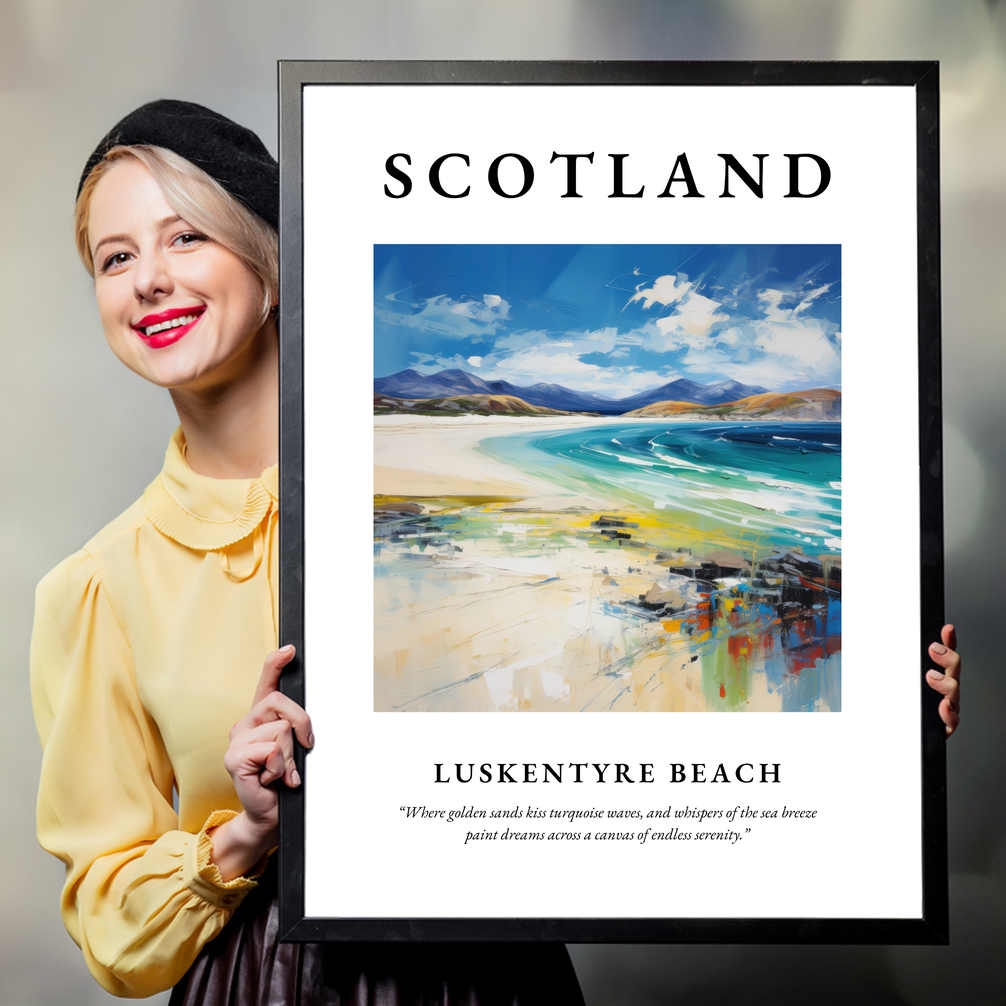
[[448, 318], [771, 300], [491, 311], [804, 347], [560, 366], [600, 341], [767, 371], [665, 290], [427, 364], [695, 315], [780, 346], [475, 361], [771, 357], [810, 296]]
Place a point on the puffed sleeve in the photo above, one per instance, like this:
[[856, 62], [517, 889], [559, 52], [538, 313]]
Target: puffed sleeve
[[141, 898]]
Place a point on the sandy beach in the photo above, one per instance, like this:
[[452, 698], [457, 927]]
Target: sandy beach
[[434, 456], [496, 590]]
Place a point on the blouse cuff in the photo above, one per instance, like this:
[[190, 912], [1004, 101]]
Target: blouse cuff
[[202, 876]]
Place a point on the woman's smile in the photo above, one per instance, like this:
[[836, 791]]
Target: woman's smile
[[166, 327]]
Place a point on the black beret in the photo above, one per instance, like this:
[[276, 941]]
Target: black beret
[[231, 154]]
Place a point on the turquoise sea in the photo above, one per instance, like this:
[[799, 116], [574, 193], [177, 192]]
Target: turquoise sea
[[775, 482]]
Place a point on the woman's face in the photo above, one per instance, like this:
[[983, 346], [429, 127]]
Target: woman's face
[[177, 308]]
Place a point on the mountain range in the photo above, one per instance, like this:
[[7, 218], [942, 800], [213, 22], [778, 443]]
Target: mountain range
[[479, 405], [411, 384], [817, 404]]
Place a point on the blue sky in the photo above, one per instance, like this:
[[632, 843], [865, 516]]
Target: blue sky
[[612, 319]]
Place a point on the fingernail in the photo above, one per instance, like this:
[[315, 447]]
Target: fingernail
[[295, 777], [287, 649], [936, 675], [310, 740], [938, 648]]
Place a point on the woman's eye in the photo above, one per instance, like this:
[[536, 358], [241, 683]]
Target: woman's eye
[[190, 238], [114, 261]]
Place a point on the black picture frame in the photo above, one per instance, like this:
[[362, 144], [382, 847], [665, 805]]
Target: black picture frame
[[932, 925]]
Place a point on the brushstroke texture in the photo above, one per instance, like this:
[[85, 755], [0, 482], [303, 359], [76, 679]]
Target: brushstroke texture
[[714, 585]]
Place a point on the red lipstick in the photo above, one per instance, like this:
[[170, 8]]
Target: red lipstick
[[165, 333]]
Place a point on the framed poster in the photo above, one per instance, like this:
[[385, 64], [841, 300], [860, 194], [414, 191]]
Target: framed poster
[[611, 501]]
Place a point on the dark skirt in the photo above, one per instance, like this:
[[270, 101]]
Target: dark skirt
[[246, 965]]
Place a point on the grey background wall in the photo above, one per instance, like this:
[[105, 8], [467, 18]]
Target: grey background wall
[[81, 436]]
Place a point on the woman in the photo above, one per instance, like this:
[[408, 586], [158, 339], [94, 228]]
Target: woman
[[148, 643]]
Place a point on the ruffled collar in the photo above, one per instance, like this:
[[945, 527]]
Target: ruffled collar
[[203, 513]]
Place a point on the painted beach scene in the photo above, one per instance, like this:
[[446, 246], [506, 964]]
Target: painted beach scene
[[607, 478]]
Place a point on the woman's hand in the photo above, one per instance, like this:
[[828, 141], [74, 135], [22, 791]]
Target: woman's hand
[[948, 681], [260, 753]]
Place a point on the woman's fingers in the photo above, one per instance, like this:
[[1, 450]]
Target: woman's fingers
[[949, 688], [945, 655], [261, 761], [271, 671], [949, 710], [277, 706], [950, 716], [278, 736], [948, 659], [274, 767], [261, 749], [270, 703], [944, 684], [947, 680]]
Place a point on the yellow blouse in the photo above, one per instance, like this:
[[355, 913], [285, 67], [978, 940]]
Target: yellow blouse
[[147, 647]]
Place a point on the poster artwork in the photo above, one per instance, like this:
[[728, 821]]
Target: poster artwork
[[607, 477]]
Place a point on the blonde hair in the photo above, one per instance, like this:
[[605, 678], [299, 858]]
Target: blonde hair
[[199, 200]]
